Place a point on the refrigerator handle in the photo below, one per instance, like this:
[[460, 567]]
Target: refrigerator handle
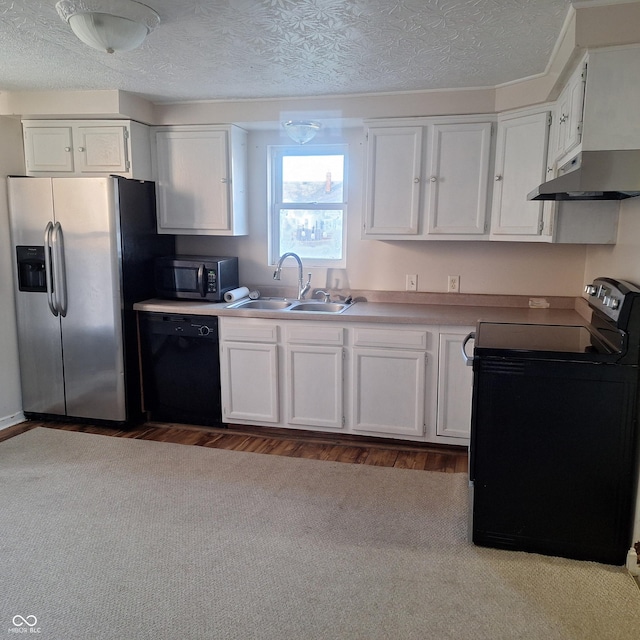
[[47, 268], [60, 271]]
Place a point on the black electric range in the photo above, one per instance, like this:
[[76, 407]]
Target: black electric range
[[553, 455]]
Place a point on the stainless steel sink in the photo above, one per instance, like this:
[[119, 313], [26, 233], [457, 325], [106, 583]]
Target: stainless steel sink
[[280, 304], [319, 307], [262, 304]]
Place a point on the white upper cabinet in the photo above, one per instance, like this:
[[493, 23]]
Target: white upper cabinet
[[87, 148], [521, 165], [427, 179], [394, 170], [458, 178], [201, 180], [566, 130]]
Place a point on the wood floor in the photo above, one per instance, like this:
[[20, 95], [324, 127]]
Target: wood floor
[[282, 442]]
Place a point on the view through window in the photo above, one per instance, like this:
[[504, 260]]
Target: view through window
[[309, 203]]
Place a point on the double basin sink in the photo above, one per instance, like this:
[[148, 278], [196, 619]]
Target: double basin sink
[[281, 304]]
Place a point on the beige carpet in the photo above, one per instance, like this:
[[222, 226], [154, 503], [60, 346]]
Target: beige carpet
[[115, 538]]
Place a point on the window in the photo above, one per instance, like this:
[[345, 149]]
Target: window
[[308, 194]]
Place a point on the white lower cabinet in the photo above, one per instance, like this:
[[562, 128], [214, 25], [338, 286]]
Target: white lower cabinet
[[395, 381], [389, 392], [390, 386], [455, 386], [314, 376], [249, 371]]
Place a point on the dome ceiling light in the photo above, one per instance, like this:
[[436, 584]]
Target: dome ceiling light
[[109, 25], [301, 131]]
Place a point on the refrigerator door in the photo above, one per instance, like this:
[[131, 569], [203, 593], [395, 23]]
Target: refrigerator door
[[87, 251], [39, 338]]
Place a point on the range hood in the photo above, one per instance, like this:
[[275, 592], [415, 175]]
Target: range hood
[[594, 175]]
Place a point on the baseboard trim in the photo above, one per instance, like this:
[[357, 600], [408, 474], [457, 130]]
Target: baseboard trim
[[11, 421]]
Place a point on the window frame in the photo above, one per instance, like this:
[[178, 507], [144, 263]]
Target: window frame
[[275, 154]]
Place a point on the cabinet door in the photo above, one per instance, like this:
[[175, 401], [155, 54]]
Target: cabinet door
[[389, 391], [458, 175], [314, 392], [393, 181], [48, 149], [249, 382], [193, 182], [455, 385], [102, 149], [575, 108], [521, 155]]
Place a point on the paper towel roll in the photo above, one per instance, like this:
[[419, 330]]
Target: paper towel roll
[[236, 294]]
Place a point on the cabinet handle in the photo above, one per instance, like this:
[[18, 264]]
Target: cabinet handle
[[432, 179], [416, 180], [498, 178], [67, 149], [224, 180], [80, 148]]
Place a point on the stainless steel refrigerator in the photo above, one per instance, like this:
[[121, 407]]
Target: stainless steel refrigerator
[[83, 254]]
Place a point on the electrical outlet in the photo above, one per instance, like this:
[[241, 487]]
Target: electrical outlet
[[411, 283], [453, 284]]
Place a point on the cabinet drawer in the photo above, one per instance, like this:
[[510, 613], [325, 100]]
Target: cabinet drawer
[[391, 338], [248, 331], [314, 334]]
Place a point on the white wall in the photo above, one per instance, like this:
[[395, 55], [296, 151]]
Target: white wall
[[11, 162], [621, 261], [483, 267]]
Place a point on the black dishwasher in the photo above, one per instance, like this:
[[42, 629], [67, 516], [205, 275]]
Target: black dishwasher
[[180, 368]]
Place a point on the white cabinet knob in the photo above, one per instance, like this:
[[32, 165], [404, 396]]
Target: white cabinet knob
[[416, 180], [432, 179], [224, 180], [67, 149], [80, 148], [498, 178]]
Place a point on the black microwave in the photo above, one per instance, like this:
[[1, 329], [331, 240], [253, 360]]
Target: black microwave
[[195, 277]]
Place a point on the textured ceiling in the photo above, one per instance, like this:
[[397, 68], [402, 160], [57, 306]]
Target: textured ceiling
[[226, 49]]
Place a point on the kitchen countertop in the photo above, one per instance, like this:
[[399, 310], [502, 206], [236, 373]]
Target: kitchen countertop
[[396, 312]]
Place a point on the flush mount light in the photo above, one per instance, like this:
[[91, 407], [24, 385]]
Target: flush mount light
[[301, 131], [109, 25]]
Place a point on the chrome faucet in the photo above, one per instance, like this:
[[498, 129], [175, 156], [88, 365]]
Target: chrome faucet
[[302, 288]]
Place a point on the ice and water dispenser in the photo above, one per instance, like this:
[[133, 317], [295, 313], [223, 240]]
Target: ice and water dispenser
[[31, 269]]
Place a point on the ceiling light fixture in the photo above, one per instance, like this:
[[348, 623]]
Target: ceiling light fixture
[[109, 25], [301, 131]]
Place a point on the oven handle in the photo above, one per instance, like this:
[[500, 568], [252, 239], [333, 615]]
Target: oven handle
[[468, 360]]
